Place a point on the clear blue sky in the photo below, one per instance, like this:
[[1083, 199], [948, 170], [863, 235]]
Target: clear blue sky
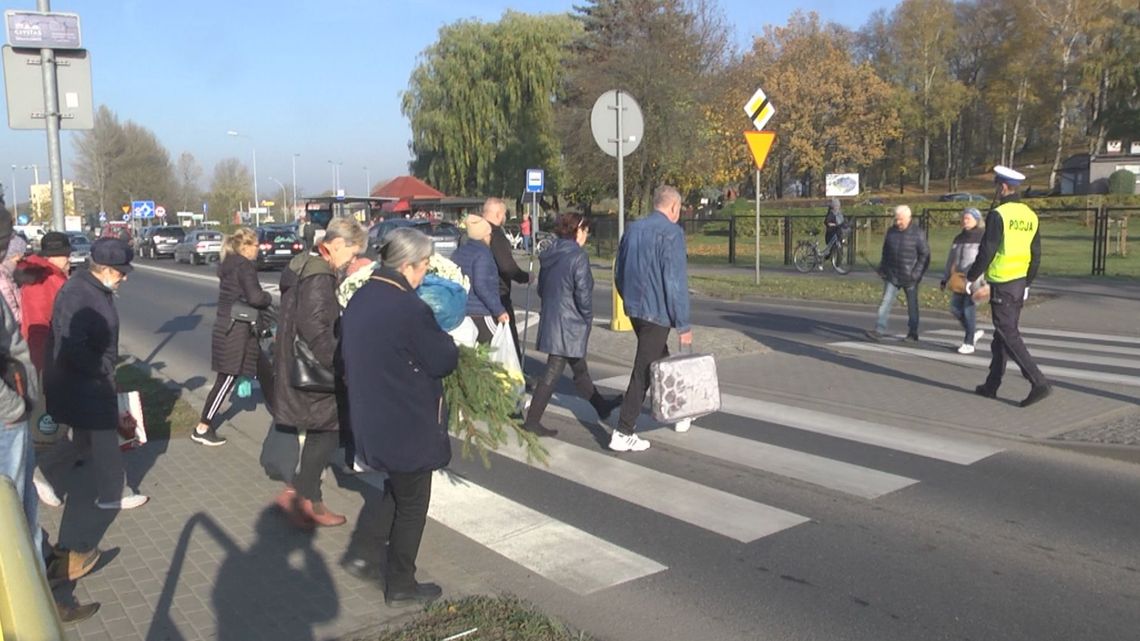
[[318, 78]]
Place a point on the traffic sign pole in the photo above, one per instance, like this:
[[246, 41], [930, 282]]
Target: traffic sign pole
[[51, 105]]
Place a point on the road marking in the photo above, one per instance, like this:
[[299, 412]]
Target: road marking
[[1060, 333], [557, 551], [269, 287], [705, 507], [521, 320], [817, 470], [984, 363], [952, 450], [1045, 342]]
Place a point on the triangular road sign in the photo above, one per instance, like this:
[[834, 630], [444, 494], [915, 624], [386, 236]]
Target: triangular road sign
[[760, 143]]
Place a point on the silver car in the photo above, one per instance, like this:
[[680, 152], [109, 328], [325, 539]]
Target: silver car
[[80, 248], [200, 246]]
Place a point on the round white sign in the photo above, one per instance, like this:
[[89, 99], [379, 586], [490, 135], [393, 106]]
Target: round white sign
[[608, 109]]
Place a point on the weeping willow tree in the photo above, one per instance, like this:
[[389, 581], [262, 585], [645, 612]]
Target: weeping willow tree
[[481, 104]]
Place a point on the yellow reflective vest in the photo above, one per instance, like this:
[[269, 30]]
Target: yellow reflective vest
[[1012, 259]]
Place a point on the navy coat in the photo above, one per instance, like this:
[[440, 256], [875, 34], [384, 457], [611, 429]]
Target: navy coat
[[566, 287], [477, 263], [395, 358], [82, 353]]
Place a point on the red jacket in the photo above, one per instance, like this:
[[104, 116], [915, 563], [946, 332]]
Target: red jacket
[[39, 283]]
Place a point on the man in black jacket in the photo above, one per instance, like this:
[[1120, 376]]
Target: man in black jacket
[[495, 212], [906, 255]]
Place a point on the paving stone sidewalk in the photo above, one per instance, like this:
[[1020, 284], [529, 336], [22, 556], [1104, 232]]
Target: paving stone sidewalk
[[208, 558]]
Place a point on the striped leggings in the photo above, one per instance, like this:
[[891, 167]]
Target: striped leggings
[[222, 388]]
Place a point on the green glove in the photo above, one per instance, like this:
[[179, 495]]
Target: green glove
[[244, 387]]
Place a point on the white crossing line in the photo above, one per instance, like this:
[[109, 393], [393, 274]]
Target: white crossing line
[[705, 507], [952, 450], [1061, 333], [809, 468], [521, 320], [980, 362], [1045, 342], [561, 553]]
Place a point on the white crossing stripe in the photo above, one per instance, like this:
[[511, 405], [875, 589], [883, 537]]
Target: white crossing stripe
[[705, 507], [952, 450], [566, 555], [809, 468], [1045, 342], [1061, 333], [980, 362]]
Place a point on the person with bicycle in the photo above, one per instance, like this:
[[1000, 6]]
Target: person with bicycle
[[963, 253], [906, 256], [835, 227]]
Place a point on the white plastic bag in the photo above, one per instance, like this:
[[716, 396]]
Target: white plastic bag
[[466, 334], [132, 427], [503, 352]]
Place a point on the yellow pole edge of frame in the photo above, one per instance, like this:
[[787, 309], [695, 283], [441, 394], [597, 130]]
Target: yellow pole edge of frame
[[619, 322], [27, 609]]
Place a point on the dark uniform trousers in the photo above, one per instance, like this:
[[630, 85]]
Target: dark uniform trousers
[[1006, 300]]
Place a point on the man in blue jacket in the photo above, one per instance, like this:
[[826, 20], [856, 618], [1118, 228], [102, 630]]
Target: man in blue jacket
[[653, 281]]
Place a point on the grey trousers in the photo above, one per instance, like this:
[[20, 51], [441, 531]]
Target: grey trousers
[[99, 449]]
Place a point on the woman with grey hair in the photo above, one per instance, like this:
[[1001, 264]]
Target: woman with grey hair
[[306, 334], [395, 359]]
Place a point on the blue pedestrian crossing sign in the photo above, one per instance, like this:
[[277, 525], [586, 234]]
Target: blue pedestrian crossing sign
[[535, 179], [102, 216], [142, 209]]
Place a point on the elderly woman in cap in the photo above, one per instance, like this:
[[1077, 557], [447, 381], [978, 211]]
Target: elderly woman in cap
[[963, 253], [79, 380], [477, 263]]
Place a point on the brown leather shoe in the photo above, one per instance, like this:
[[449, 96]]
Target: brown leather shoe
[[69, 565], [319, 514], [76, 613], [287, 499]]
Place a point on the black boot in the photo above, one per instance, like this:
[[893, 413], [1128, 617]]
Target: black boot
[[603, 406], [542, 393]]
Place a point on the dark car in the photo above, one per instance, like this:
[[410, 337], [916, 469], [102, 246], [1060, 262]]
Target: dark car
[[156, 242], [960, 197], [444, 236], [199, 246], [276, 246]]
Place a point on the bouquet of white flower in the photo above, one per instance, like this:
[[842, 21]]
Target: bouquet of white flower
[[445, 268]]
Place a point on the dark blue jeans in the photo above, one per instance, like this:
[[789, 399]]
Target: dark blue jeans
[[962, 308], [890, 291]]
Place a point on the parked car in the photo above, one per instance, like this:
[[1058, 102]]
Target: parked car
[[199, 246], [444, 236], [33, 234], [80, 248], [276, 246], [156, 242], [960, 197]]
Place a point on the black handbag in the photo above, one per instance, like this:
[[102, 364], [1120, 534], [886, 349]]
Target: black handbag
[[262, 322], [242, 312], [306, 373]]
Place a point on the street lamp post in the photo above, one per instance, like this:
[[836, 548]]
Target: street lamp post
[[15, 195], [36, 178], [256, 200], [295, 184], [284, 195], [336, 175], [367, 182]]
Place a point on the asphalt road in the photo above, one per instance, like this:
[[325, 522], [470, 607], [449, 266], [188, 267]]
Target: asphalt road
[[1027, 543]]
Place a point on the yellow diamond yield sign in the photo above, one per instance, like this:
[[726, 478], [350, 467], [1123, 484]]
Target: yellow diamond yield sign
[[759, 109], [760, 143]]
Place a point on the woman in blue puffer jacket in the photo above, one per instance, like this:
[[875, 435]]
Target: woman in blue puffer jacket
[[566, 288], [475, 260]]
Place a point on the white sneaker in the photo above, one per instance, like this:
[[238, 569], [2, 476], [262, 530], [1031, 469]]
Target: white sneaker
[[125, 503], [45, 491], [966, 349], [683, 425], [978, 335], [627, 442]]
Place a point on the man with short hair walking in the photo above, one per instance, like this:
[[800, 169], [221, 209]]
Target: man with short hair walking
[[652, 277], [906, 255], [495, 212]]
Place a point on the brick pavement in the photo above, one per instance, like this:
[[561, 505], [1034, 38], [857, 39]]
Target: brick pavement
[[207, 558]]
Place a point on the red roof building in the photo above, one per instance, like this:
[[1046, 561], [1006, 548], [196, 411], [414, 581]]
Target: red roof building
[[407, 188]]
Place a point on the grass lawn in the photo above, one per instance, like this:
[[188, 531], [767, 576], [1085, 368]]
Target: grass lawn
[[809, 287], [481, 618], [165, 413]]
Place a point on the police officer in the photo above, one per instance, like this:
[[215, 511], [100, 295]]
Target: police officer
[[1009, 256]]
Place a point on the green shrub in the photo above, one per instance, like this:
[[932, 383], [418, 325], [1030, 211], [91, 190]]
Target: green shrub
[[1122, 183]]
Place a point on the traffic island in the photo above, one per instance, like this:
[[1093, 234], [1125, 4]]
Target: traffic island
[[477, 617]]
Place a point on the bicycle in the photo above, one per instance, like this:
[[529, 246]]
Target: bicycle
[[809, 257]]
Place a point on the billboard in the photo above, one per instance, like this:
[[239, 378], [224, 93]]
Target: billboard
[[840, 185]]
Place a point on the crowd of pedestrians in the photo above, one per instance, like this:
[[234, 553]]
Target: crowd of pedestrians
[[364, 369]]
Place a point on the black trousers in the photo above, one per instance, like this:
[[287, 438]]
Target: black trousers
[[395, 518], [485, 325], [510, 307], [652, 345], [223, 385], [555, 365], [1006, 300], [315, 455]]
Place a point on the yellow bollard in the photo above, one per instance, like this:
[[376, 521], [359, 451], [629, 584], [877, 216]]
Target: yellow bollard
[[27, 609], [620, 322]]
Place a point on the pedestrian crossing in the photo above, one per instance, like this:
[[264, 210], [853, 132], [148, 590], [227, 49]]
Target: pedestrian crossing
[[1062, 354], [584, 562]]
